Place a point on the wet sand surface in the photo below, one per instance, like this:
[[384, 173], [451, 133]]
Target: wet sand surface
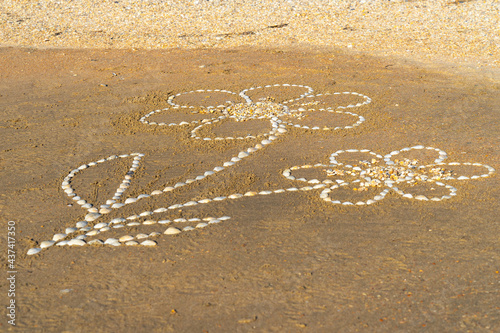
[[283, 262]]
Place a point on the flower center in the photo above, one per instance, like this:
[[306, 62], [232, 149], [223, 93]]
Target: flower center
[[246, 111], [407, 170]]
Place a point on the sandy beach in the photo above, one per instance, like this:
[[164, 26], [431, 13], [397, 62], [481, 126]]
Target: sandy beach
[[235, 166], [452, 31]]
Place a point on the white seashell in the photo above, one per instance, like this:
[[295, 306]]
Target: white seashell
[[154, 234], [160, 210], [421, 197], [190, 203], [235, 159], [70, 230], [266, 142], [100, 225], [163, 221], [63, 243], [46, 244], [218, 168], [87, 206], [111, 240], [250, 194], [235, 196], [224, 218], [117, 220], [93, 210], [175, 206], [131, 243], [208, 173], [147, 213], [408, 195], [34, 251], [105, 210], [203, 201], [104, 229], [172, 231], [462, 178], [149, 222], [132, 224], [180, 220], [242, 154], [92, 217], [143, 196], [188, 228], [81, 237], [168, 189], [201, 225], [81, 224], [96, 242], [214, 221], [76, 242], [149, 243], [219, 198], [58, 237], [81, 202], [265, 192], [125, 238], [179, 184], [141, 236], [116, 226], [130, 200], [92, 232]]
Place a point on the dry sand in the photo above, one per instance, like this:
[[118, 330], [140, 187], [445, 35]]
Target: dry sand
[[287, 262], [438, 30]]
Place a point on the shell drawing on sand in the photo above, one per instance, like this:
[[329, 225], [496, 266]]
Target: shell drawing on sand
[[282, 115], [367, 173]]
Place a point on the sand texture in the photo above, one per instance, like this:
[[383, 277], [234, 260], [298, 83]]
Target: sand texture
[[465, 32]]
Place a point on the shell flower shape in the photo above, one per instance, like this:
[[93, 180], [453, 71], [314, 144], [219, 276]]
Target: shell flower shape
[[260, 103], [214, 107], [365, 177]]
